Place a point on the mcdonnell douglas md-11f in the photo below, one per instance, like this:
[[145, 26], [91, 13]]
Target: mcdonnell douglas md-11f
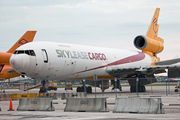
[[60, 61]]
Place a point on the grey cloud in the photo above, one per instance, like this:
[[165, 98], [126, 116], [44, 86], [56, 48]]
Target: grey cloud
[[109, 23]]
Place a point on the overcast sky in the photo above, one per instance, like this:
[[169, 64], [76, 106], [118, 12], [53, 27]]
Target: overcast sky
[[108, 23]]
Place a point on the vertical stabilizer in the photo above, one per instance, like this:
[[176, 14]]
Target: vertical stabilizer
[[151, 44], [154, 27], [27, 37]]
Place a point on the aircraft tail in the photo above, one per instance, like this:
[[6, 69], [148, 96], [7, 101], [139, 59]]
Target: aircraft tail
[[27, 37], [151, 44], [154, 27], [1, 67]]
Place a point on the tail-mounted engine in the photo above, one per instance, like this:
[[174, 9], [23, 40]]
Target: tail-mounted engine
[[151, 44], [145, 43]]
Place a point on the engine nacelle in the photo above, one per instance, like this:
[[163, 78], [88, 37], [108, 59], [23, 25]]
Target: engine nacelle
[[148, 44], [4, 57]]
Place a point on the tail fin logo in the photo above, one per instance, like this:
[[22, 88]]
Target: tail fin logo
[[23, 41], [1, 67], [155, 26]]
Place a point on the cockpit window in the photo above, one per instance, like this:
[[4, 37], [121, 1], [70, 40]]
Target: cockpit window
[[20, 52], [15, 52], [32, 53], [28, 52]]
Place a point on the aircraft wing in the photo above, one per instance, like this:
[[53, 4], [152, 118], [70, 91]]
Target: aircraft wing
[[143, 70], [168, 62], [173, 68]]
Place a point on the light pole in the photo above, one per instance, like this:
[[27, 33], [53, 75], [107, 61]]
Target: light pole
[[137, 80]]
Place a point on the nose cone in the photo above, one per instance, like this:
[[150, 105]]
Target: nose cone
[[16, 61], [19, 62]]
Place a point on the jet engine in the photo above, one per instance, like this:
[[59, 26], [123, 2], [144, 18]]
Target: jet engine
[[5, 57], [145, 43]]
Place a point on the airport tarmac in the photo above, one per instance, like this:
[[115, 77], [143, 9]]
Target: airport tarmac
[[171, 105]]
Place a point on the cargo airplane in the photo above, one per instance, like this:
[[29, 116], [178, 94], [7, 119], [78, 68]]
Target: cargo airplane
[[6, 70], [61, 61]]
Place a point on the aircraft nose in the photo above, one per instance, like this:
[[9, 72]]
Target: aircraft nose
[[16, 61], [19, 62]]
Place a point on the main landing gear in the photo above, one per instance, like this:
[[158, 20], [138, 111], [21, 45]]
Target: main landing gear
[[47, 86], [140, 88], [81, 89], [116, 85], [84, 88]]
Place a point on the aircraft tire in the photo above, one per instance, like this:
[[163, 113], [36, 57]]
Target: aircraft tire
[[133, 89], [143, 89], [140, 88], [78, 89], [89, 89], [42, 90], [81, 89], [176, 90], [55, 88]]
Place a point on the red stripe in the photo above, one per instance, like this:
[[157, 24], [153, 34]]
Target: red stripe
[[130, 59], [133, 58]]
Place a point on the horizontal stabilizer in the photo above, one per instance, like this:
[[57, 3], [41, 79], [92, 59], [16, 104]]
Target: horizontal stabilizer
[[168, 62], [10, 70]]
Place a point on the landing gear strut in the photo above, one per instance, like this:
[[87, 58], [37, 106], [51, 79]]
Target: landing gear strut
[[116, 85], [44, 87]]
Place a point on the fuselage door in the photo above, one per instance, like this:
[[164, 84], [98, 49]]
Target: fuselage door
[[45, 55], [43, 67]]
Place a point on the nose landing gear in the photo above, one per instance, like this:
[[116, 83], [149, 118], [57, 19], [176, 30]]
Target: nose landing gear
[[44, 87]]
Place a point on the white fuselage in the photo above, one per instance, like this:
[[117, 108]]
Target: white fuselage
[[59, 61]]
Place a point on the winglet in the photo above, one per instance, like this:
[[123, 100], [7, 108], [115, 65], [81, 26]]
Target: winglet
[[154, 27], [27, 37], [1, 67]]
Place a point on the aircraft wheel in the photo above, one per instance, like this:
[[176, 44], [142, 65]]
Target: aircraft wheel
[[143, 88], [133, 89], [176, 90], [55, 88], [139, 88], [89, 89], [42, 90], [81, 89], [78, 89]]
